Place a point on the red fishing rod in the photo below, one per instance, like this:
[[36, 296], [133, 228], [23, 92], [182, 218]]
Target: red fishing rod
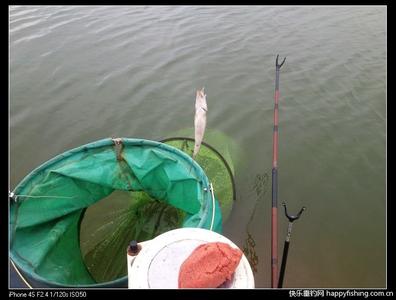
[[274, 215], [274, 210]]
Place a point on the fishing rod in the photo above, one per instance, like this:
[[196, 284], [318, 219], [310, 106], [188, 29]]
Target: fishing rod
[[287, 242], [274, 210]]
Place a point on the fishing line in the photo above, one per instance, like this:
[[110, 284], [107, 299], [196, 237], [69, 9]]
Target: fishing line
[[261, 187]]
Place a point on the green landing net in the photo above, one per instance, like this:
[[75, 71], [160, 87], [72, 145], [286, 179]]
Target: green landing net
[[219, 171], [74, 216]]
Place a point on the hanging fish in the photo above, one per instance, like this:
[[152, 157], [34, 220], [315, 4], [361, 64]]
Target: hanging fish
[[201, 109]]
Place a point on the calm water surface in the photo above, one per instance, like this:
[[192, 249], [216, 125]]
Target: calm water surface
[[79, 74]]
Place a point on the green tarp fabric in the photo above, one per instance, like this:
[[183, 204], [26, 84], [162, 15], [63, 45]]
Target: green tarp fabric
[[44, 219]]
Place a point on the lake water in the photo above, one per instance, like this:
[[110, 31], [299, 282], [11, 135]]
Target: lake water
[[79, 74]]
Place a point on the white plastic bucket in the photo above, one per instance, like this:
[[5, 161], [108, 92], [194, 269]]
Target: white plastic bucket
[[157, 264]]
